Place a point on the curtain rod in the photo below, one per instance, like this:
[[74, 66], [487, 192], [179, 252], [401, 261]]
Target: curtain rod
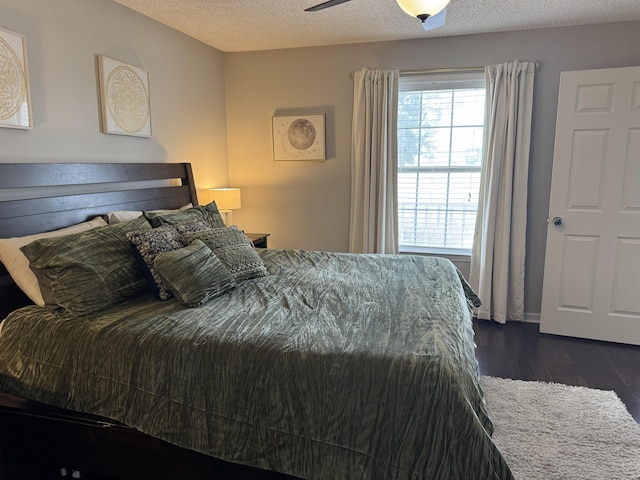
[[442, 70], [448, 70], [437, 70]]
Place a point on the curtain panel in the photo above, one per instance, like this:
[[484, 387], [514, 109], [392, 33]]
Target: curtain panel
[[373, 226], [498, 253]]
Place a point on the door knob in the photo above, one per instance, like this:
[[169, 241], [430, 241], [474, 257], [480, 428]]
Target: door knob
[[557, 221]]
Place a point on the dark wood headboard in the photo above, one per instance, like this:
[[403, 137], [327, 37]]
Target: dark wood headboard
[[57, 195]]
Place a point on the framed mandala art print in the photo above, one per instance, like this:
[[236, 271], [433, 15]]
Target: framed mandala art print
[[15, 102], [298, 137], [124, 98]]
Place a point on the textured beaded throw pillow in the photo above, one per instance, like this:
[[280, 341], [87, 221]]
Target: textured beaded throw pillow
[[194, 274], [234, 249], [150, 243]]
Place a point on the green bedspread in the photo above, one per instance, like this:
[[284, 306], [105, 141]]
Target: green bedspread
[[336, 366]]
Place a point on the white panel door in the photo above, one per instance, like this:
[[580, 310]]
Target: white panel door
[[592, 266]]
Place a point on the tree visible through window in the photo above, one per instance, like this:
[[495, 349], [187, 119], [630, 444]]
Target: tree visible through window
[[440, 136]]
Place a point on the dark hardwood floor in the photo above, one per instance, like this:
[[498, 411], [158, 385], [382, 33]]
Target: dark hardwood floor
[[518, 351]]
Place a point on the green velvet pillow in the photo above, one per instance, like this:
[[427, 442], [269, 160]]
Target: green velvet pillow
[[194, 274], [89, 271], [234, 249], [208, 214]]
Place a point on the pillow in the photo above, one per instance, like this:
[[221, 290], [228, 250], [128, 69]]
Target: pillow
[[89, 271], [18, 265], [120, 216], [148, 244], [194, 274], [208, 214], [234, 249], [185, 228]]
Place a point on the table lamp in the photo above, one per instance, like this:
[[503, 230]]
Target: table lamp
[[227, 200]]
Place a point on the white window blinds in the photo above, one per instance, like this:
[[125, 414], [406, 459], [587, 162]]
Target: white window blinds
[[440, 136]]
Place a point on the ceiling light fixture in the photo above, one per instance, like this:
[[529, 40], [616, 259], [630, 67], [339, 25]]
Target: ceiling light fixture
[[422, 9]]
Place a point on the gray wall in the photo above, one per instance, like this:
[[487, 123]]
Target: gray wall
[[305, 204], [214, 109], [186, 85]]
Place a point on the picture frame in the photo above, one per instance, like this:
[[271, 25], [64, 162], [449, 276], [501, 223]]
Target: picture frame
[[125, 103], [15, 96], [299, 137]]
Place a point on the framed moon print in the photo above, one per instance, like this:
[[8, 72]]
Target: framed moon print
[[15, 102], [124, 98], [299, 137]]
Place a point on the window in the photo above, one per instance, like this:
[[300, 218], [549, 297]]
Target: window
[[440, 136]]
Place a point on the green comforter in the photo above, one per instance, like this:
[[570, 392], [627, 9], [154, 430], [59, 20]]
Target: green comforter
[[336, 366]]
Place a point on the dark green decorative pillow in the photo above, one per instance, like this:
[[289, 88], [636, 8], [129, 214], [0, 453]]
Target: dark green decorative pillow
[[234, 249], [208, 214], [194, 274], [149, 243], [89, 271]]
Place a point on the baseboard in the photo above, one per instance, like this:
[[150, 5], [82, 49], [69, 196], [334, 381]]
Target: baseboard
[[530, 317]]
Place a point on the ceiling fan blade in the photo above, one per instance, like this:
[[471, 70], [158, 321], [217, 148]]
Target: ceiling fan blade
[[435, 21], [324, 5]]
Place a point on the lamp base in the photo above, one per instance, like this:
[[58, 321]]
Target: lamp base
[[227, 216]]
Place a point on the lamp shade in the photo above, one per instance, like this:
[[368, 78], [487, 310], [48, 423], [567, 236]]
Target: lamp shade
[[422, 9], [226, 198]]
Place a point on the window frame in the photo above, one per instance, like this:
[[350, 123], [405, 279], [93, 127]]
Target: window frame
[[412, 82]]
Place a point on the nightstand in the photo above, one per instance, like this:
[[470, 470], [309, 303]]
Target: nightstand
[[259, 240]]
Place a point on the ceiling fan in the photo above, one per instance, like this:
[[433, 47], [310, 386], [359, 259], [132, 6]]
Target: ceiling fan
[[432, 13], [323, 5]]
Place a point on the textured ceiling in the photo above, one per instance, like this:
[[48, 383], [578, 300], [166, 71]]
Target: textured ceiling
[[246, 25]]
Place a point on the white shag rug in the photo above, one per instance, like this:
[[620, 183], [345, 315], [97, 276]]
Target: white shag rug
[[549, 431]]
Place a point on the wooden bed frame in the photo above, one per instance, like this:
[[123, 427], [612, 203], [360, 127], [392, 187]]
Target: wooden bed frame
[[36, 440]]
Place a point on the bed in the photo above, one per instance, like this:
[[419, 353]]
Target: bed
[[291, 363]]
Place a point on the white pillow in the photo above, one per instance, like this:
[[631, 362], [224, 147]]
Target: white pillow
[[18, 265], [126, 215], [122, 216]]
